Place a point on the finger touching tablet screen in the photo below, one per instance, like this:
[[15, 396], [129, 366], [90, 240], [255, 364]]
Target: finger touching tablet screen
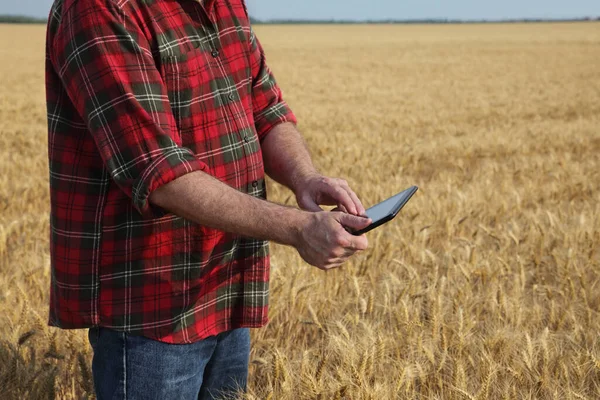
[[387, 209]]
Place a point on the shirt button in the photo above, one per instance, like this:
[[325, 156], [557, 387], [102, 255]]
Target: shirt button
[[215, 53], [231, 97], [246, 139], [255, 184]]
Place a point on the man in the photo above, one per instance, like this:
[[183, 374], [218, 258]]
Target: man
[[163, 119]]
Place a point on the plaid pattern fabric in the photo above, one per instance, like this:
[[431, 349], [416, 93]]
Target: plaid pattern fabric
[[140, 93]]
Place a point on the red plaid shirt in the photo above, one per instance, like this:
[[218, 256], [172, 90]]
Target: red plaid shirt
[[140, 93]]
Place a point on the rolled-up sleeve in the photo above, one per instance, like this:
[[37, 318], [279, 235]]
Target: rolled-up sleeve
[[269, 108], [110, 76]]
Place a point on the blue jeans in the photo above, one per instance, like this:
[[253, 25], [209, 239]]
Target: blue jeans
[[134, 367]]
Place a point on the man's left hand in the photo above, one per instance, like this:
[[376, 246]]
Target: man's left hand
[[321, 190]]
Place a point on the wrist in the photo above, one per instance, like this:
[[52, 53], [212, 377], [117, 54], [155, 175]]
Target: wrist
[[295, 224], [301, 179]]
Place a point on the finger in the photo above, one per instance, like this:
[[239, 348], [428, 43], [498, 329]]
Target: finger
[[353, 221], [347, 244], [335, 260], [342, 198], [338, 262], [360, 242], [334, 264], [340, 209], [357, 203], [349, 252], [355, 245], [360, 210]]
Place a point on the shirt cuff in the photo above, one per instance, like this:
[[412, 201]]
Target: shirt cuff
[[172, 164], [272, 116]]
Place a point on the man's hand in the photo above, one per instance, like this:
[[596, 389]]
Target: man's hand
[[323, 241], [320, 190]]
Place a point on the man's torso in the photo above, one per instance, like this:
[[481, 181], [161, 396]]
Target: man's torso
[[164, 277]]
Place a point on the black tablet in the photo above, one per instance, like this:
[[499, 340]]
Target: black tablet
[[387, 209]]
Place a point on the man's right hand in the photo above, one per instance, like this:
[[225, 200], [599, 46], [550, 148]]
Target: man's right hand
[[324, 241]]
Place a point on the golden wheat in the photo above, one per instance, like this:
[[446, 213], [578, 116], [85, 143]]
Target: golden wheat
[[487, 285]]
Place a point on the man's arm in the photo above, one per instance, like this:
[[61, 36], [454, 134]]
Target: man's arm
[[288, 161], [201, 198], [286, 156], [320, 238]]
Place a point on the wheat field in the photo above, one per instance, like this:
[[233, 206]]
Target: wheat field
[[486, 286]]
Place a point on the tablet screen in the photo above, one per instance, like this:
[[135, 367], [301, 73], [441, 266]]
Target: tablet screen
[[389, 206]]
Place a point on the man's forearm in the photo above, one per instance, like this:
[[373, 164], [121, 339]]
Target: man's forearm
[[286, 156], [205, 200]]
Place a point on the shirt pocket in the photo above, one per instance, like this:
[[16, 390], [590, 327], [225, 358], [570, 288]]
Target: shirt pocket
[[187, 77]]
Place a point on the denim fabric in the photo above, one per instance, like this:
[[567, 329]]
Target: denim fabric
[[133, 367]]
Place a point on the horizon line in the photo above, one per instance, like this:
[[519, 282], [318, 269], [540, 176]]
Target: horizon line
[[590, 18]]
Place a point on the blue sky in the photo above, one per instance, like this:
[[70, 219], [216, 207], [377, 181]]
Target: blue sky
[[381, 9]]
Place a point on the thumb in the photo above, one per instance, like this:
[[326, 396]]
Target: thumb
[[353, 221]]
